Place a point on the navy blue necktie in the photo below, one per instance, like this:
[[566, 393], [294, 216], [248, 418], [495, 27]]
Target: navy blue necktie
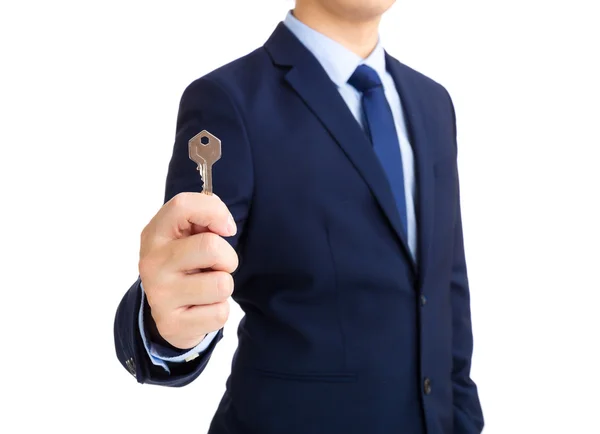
[[381, 129]]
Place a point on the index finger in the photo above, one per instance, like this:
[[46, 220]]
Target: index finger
[[188, 213]]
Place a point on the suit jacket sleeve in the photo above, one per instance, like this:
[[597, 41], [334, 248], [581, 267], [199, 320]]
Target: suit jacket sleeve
[[468, 417], [205, 105]]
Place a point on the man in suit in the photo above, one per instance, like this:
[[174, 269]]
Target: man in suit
[[338, 209]]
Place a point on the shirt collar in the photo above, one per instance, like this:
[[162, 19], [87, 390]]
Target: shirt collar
[[338, 62]]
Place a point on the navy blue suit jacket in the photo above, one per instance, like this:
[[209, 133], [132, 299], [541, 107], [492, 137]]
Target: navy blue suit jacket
[[343, 332]]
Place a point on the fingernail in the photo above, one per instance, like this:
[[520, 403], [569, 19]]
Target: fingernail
[[231, 226]]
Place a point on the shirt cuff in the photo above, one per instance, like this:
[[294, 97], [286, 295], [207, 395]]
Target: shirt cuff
[[160, 355]]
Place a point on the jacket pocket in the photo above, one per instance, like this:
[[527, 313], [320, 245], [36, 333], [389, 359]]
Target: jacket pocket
[[309, 377]]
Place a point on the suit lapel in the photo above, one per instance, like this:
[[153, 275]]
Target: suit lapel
[[311, 82], [414, 113]]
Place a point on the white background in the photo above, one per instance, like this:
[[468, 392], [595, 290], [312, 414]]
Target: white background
[[89, 96]]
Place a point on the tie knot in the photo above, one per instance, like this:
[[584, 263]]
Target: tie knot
[[364, 79]]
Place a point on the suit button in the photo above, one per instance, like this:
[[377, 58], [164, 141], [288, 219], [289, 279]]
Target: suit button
[[423, 300], [130, 366], [427, 386]]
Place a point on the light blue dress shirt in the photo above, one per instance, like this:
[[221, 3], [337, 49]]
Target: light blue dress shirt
[[339, 63]]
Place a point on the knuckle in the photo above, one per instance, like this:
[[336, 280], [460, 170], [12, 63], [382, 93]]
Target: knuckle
[[144, 234], [180, 200], [148, 265], [158, 288], [146, 239], [153, 295], [145, 266]]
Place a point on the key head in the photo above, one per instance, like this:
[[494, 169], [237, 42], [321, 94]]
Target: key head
[[204, 148]]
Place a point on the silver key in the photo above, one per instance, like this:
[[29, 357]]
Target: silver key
[[205, 150]]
